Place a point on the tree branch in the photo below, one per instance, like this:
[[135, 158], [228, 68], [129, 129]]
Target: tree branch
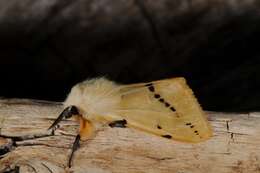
[[235, 146]]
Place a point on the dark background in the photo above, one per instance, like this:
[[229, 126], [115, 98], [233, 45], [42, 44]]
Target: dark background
[[47, 46]]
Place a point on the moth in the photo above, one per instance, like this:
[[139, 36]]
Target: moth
[[167, 108]]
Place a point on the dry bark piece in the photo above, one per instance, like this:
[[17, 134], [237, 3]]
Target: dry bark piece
[[233, 148]]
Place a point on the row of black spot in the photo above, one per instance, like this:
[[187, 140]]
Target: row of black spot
[[158, 96], [192, 126], [189, 124]]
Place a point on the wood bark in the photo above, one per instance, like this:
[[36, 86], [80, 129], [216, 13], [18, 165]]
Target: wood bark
[[26, 145]]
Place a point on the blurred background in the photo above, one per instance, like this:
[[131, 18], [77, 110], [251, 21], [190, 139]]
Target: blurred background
[[47, 46]]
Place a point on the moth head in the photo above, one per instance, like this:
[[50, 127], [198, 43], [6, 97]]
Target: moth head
[[65, 114]]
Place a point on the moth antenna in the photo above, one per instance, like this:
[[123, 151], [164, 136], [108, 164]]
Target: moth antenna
[[66, 113]]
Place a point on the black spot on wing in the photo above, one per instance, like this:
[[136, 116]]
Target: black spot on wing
[[166, 104], [159, 127], [157, 96], [172, 109], [167, 136], [191, 126], [151, 88], [118, 124], [196, 132], [161, 100]]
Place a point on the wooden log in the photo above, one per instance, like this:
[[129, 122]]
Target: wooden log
[[26, 145]]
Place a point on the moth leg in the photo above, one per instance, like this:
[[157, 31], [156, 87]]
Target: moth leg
[[85, 132], [75, 146], [118, 123], [65, 114]]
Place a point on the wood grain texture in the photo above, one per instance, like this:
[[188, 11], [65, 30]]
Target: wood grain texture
[[26, 145]]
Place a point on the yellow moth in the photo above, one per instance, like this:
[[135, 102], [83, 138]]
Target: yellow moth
[[166, 108]]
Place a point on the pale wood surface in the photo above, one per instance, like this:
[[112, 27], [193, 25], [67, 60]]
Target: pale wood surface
[[235, 146]]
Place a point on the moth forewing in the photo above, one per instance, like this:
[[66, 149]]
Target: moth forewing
[[167, 108], [189, 109]]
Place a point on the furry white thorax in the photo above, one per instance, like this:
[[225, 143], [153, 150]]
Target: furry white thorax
[[97, 96]]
